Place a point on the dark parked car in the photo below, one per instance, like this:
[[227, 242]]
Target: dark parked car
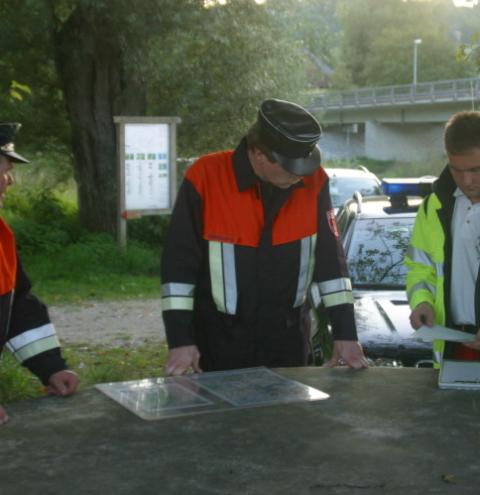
[[345, 181], [375, 232]]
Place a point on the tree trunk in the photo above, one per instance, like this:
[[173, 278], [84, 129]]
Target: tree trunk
[[96, 85]]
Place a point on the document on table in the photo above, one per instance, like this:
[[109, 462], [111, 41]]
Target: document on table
[[437, 332], [160, 398]]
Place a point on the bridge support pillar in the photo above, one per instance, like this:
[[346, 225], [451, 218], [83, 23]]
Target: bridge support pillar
[[402, 141]]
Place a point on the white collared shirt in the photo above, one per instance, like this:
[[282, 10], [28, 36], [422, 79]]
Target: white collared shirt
[[465, 258]]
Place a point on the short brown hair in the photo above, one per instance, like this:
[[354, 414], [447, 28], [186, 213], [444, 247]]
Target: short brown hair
[[254, 141], [462, 132]]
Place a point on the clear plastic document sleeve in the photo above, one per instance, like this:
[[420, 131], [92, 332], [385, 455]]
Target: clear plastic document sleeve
[[160, 398]]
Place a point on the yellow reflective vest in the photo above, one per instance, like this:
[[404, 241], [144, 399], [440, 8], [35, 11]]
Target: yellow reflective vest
[[429, 256]]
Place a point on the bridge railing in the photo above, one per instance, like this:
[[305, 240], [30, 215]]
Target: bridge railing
[[449, 90]]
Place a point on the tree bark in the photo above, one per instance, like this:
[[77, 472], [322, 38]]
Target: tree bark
[[97, 85]]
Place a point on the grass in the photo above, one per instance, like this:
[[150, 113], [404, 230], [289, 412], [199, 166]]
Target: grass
[[91, 286], [93, 364], [67, 265], [81, 273]]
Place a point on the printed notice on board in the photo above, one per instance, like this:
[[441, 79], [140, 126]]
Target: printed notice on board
[[147, 175]]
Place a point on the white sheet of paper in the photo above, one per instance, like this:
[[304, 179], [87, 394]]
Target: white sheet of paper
[[437, 332]]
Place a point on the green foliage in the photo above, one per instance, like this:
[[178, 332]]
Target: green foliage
[[378, 41], [18, 91], [16, 383], [433, 166], [93, 364], [215, 74], [211, 66], [471, 51], [42, 223], [66, 263], [150, 230], [27, 57], [95, 268], [314, 25]]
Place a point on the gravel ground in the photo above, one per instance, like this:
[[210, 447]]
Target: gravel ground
[[113, 323]]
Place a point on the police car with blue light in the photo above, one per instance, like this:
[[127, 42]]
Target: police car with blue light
[[375, 232]]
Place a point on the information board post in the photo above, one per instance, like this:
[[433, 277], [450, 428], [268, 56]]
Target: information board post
[[147, 173]]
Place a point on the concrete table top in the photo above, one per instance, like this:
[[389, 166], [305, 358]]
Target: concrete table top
[[383, 430]]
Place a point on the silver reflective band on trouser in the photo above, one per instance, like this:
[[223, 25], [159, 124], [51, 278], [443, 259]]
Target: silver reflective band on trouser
[[335, 292], [307, 258], [421, 286], [33, 342], [223, 276], [177, 296], [437, 357]]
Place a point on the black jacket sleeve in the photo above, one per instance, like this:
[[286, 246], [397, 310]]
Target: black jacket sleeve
[[331, 266], [28, 314], [182, 258]]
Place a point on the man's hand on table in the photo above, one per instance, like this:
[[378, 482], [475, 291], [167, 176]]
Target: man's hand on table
[[181, 359], [347, 352]]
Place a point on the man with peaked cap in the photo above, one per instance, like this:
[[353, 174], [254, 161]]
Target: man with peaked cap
[[25, 327], [252, 232]]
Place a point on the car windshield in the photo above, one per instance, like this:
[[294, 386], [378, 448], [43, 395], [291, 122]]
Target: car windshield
[[342, 188], [376, 251]]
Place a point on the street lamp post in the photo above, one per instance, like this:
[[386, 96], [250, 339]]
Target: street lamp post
[[416, 42]]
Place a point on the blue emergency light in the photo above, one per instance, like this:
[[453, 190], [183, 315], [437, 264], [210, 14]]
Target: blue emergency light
[[408, 187]]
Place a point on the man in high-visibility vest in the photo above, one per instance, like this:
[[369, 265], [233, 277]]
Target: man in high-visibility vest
[[443, 282], [252, 232], [25, 327]]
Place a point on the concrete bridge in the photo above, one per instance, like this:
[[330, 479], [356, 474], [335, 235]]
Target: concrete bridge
[[392, 122]]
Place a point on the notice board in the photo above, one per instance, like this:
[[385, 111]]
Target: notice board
[[147, 175]]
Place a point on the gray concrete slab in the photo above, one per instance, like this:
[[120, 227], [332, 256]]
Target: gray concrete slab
[[382, 431]]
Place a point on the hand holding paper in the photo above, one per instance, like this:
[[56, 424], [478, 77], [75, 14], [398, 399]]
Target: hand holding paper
[[437, 332], [476, 343]]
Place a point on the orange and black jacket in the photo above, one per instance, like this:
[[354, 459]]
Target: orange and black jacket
[[25, 327], [240, 259]]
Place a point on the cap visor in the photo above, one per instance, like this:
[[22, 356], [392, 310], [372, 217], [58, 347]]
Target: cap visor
[[15, 157], [300, 166]]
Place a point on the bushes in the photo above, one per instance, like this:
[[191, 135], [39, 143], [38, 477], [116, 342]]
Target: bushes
[[150, 230], [41, 221], [67, 263], [46, 225]]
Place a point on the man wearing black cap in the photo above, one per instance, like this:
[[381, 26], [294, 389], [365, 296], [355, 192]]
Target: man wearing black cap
[[25, 328], [252, 232]]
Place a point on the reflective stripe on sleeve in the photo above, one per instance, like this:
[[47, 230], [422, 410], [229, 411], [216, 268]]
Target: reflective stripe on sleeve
[[33, 342], [307, 257], [437, 357], [315, 295], [223, 276], [421, 286], [420, 256], [177, 296], [338, 298], [335, 292]]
